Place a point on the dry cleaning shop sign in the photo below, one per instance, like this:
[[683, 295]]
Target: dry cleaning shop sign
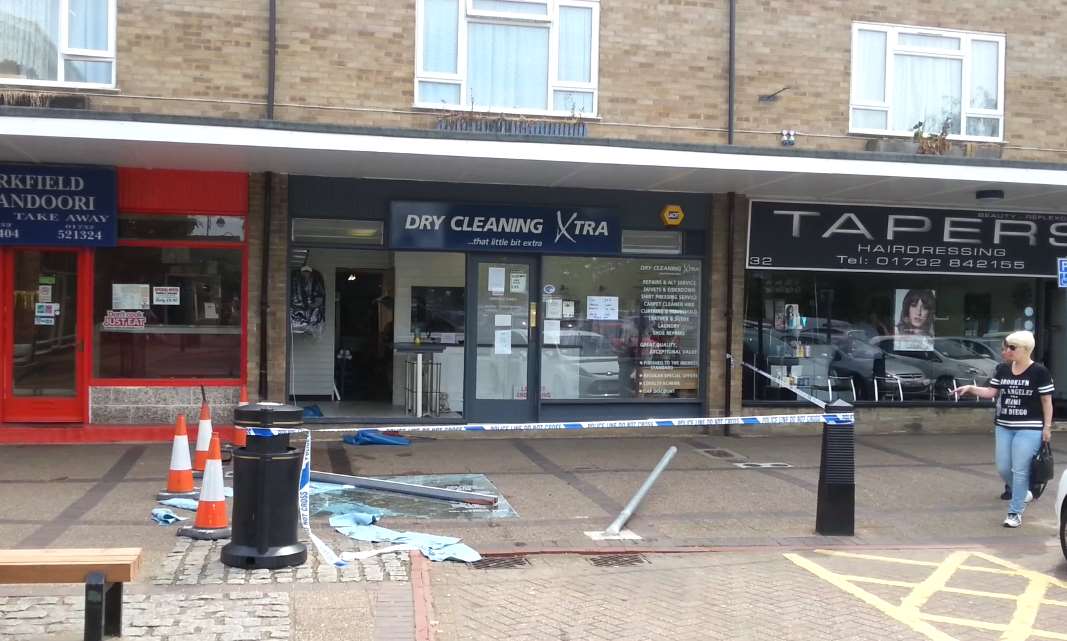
[[73, 206], [805, 236], [430, 225]]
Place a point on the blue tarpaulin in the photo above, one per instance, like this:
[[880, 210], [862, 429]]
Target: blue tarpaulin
[[374, 437]]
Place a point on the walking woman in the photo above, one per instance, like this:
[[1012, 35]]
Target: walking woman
[[1023, 390]]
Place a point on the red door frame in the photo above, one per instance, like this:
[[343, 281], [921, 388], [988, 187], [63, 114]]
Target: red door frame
[[46, 409]]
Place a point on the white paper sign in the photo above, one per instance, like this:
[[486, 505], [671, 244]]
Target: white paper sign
[[518, 283], [124, 296], [44, 320], [496, 280], [553, 308], [166, 295], [503, 342], [46, 309], [551, 332], [44, 293], [210, 312], [602, 308], [502, 320], [568, 309]]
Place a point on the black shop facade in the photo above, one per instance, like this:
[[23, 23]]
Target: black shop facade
[[416, 301], [894, 306]]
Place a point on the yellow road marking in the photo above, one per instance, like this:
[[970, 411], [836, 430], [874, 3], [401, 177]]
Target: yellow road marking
[[937, 580], [1022, 622], [928, 564], [910, 584]]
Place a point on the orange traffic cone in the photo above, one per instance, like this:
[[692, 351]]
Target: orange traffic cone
[[180, 477], [240, 436], [203, 439], [212, 521]]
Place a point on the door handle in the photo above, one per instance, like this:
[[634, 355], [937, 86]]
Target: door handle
[[533, 315]]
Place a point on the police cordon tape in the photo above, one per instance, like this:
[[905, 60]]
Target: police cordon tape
[[792, 388], [304, 490]]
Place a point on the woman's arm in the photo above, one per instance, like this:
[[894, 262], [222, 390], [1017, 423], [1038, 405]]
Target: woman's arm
[[980, 392], [1046, 411]]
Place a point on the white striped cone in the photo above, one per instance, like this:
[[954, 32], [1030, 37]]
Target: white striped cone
[[203, 439], [212, 520], [180, 475]]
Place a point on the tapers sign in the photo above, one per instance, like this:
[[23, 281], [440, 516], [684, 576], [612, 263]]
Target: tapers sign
[[806, 236]]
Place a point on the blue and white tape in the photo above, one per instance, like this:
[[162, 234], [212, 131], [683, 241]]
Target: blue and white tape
[[304, 502], [792, 388]]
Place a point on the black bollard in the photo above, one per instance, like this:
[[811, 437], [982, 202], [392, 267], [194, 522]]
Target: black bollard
[[266, 478], [836, 512]]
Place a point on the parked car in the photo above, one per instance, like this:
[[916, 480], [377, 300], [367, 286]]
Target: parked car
[[946, 363], [858, 360], [1061, 512], [981, 346]]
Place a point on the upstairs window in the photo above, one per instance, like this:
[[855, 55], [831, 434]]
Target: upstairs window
[[902, 76], [520, 56], [57, 42]]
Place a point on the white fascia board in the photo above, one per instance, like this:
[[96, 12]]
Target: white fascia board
[[588, 154]]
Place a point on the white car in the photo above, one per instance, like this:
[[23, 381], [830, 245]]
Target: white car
[[1061, 512]]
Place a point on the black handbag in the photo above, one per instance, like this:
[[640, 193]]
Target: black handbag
[[1041, 470]]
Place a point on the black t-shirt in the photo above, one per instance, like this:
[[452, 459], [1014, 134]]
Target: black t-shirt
[[1019, 401]]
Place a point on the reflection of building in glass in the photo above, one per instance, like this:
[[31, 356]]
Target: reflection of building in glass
[[29, 37]]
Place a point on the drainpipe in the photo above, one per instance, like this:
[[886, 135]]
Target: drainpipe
[[731, 74], [731, 200], [268, 188]]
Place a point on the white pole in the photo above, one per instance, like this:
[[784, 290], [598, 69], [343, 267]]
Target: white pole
[[627, 511]]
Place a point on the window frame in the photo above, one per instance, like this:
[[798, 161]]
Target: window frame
[[964, 54], [467, 14], [66, 52]]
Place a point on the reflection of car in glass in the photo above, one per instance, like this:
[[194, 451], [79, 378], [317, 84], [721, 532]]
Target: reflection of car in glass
[[597, 362], [859, 361], [947, 364], [988, 348]]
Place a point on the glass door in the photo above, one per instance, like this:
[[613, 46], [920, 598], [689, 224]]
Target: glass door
[[43, 370], [501, 367]]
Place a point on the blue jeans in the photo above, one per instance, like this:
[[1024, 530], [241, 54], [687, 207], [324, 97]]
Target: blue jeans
[[1016, 450]]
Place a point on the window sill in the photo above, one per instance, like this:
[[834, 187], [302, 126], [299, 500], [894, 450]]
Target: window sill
[[492, 111], [900, 136], [65, 86]]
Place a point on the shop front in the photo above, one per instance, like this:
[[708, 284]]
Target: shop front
[[449, 307], [894, 306], [122, 292]]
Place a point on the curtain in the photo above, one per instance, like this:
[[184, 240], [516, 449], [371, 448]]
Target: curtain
[[575, 43], [928, 90], [868, 78], [507, 66], [984, 74], [440, 33], [29, 39], [88, 21]]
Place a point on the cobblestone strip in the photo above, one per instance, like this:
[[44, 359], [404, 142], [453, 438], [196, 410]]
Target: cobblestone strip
[[193, 562], [237, 616]]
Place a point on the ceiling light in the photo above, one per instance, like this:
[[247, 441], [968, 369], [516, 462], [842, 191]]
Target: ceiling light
[[989, 194], [351, 277]]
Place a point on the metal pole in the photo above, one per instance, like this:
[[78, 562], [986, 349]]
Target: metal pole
[[627, 511]]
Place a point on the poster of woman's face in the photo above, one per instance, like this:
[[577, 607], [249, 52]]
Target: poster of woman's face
[[792, 316], [915, 319]]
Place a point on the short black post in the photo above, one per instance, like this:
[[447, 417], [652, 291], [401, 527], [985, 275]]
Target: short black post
[[836, 512], [266, 477]]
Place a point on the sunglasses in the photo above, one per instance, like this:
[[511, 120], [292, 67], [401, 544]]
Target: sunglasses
[[1010, 348]]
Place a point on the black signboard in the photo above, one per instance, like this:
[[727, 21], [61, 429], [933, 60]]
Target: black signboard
[[550, 230], [805, 236], [45, 205]]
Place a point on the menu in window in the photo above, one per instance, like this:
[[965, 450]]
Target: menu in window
[[670, 326], [129, 296]]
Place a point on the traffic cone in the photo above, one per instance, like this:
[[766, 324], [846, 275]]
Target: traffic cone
[[203, 439], [180, 477], [240, 436], [212, 520]]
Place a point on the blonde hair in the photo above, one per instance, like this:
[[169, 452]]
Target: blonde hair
[[1021, 339]]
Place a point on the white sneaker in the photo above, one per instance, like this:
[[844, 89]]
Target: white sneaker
[[1029, 496], [1013, 520]]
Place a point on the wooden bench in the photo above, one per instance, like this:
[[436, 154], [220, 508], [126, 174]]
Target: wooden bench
[[103, 570]]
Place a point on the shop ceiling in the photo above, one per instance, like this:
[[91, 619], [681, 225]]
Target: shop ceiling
[[757, 173]]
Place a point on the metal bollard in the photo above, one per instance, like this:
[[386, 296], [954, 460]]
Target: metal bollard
[[266, 477], [836, 512]]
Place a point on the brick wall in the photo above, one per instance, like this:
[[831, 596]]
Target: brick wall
[[276, 279]]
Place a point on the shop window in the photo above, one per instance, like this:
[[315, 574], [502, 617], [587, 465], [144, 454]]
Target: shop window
[[877, 337], [156, 227], [57, 42], [528, 56], [618, 328], [902, 76], [167, 312]]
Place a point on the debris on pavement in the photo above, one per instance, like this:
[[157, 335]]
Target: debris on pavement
[[432, 546], [163, 516]]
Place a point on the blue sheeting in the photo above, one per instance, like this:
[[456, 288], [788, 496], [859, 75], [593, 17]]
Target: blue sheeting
[[433, 547], [353, 518], [181, 503], [346, 507], [163, 516], [374, 437]]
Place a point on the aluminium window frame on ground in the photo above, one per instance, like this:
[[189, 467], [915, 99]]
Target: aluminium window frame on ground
[[467, 14], [964, 54], [67, 53]]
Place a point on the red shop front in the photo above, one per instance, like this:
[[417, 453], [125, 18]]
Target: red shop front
[[106, 330]]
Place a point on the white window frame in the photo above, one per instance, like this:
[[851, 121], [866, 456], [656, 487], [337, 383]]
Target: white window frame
[[66, 52], [892, 33], [467, 14]]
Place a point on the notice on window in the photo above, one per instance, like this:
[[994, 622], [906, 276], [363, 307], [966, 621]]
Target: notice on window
[[553, 308], [602, 308], [518, 283], [502, 344], [44, 320], [117, 319], [496, 280], [502, 320], [551, 332], [670, 324], [210, 311], [44, 293], [568, 309], [166, 295], [46, 309], [128, 296]]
